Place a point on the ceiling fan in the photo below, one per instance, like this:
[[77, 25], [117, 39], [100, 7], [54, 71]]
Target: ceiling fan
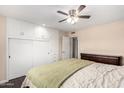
[[73, 15]]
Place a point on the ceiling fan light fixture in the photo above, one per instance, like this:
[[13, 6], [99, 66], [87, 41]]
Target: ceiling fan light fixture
[[75, 19], [69, 20], [72, 20]]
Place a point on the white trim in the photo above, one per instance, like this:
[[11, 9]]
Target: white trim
[[7, 52], [21, 38], [3, 81]]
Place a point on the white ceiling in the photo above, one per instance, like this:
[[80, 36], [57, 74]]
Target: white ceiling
[[46, 14]]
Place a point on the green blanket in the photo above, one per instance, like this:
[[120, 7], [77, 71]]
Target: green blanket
[[53, 75]]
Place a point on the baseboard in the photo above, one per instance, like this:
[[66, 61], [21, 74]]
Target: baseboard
[[3, 81]]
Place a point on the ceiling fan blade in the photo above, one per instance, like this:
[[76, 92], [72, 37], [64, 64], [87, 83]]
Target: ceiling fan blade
[[61, 12], [81, 7], [84, 16], [62, 20]]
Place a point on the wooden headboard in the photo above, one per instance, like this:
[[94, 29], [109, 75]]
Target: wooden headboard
[[114, 60]]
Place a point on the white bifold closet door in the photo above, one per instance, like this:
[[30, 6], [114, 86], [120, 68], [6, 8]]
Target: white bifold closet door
[[20, 57], [25, 54], [40, 53]]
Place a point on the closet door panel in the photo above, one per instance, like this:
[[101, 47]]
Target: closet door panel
[[66, 47], [54, 45], [20, 57], [40, 53]]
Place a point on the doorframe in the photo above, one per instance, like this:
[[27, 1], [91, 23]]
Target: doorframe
[[7, 55], [72, 46], [69, 46]]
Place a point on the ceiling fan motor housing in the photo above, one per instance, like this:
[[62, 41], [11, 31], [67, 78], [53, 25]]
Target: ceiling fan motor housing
[[72, 13]]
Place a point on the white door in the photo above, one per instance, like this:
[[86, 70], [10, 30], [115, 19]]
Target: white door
[[20, 57], [41, 54], [66, 48]]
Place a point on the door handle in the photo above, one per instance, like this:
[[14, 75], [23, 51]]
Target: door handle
[[9, 57]]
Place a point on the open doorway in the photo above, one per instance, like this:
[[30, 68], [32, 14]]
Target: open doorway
[[69, 47], [74, 47]]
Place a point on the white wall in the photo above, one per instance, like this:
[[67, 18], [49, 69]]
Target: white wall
[[103, 39], [2, 48]]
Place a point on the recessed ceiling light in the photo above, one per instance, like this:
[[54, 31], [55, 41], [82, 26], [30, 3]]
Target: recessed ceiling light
[[43, 24]]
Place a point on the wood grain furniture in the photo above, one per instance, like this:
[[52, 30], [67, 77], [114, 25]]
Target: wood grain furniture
[[106, 59]]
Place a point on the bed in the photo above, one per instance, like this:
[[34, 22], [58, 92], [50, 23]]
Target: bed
[[91, 71]]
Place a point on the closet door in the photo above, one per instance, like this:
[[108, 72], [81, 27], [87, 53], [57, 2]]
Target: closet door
[[54, 46], [20, 57], [66, 47], [41, 54]]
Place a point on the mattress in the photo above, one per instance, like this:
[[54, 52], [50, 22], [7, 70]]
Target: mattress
[[96, 75]]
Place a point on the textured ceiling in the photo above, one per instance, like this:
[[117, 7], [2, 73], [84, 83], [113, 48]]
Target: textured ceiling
[[46, 14]]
